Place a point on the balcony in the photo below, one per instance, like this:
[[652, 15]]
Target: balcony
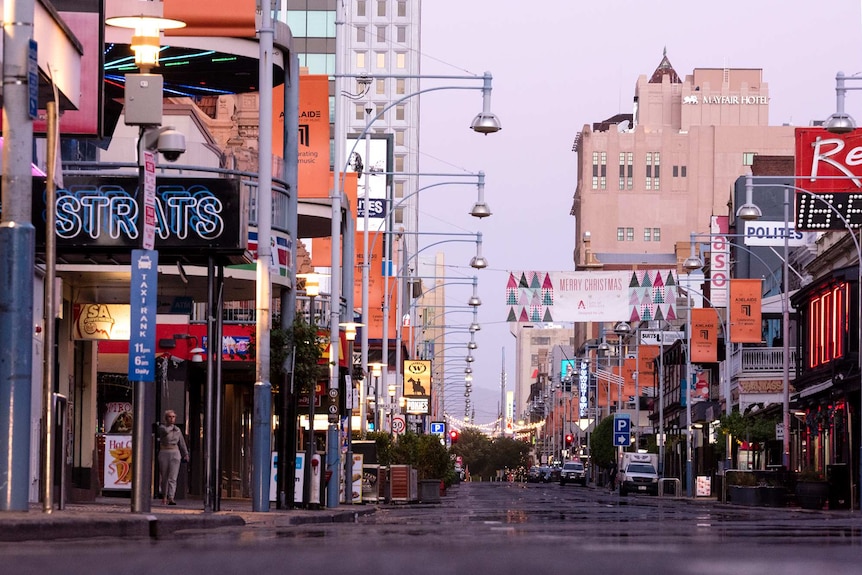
[[760, 362]]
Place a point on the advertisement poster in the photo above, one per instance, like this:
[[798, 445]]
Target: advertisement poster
[[356, 477], [370, 483], [118, 462], [118, 417], [299, 478]]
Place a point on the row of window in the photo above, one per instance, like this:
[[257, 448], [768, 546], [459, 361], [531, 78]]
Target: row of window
[[381, 7], [628, 234], [652, 171], [380, 34], [380, 60], [400, 111]]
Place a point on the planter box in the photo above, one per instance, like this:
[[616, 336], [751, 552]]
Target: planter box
[[811, 494], [744, 495], [429, 491]]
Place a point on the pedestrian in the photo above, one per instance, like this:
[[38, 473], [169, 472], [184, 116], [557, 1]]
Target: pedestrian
[[172, 450], [612, 480]]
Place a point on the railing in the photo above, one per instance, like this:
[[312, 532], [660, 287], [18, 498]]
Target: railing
[[760, 361], [246, 312]]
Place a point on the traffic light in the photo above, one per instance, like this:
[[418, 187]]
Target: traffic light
[[570, 439], [453, 436]]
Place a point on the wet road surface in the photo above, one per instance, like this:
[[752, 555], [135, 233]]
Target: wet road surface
[[495, 528]]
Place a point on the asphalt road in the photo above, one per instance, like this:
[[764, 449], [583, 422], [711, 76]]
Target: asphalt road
[[494, 528]]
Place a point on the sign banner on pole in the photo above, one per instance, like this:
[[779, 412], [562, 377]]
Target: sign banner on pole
[[704, 335], [744, 308]]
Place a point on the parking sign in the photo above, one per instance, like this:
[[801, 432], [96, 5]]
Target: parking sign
[[622, 430]]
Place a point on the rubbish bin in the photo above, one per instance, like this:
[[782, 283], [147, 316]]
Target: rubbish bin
[[838, 479]]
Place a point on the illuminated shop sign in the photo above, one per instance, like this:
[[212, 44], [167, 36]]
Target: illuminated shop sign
[[103, 213]]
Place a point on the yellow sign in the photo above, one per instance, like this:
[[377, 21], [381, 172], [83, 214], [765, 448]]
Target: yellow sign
[[417, 378]]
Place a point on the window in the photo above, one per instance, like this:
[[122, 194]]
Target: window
[[679, 171], [600, 170], [381, 33], [400, 86], [401, 60], [401, 34], [360, 59], [400, 112], [402, 8], [827, 325], [399, 137], [381, 7], [630, 234], [652, 171], [399, 163], [647, 234], [656, 234], [380, 85], [398, 189], [682, 171], [621, 234], [360, 7], [359, 112], [360, 34], [381, 59], [626, 159], [748, 158], [675, 171]]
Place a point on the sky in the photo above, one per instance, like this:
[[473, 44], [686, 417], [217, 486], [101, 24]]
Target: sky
[[559, 65]]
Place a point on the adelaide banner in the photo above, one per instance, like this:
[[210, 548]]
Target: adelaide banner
[[744, 308]]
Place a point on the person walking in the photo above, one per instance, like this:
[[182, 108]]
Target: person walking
[[172, 450]]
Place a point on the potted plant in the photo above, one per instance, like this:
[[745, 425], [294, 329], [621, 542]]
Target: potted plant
[[811, 489], [742, 488]]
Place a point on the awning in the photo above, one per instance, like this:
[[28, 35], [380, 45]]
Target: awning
[[813, 389]]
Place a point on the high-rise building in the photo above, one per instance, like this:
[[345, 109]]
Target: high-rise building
[[381, 39], [649, 178]]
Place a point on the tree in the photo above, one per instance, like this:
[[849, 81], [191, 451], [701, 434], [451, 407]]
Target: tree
[[484, 456], [602, 448]]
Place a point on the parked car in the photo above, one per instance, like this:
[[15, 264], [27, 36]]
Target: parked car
[[534, 475], [573, 472]]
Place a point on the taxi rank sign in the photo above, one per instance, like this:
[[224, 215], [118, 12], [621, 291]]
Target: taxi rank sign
[[142, 337]]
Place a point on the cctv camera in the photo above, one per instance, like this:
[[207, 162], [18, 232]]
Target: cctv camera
[[369, 107], [172, 144]]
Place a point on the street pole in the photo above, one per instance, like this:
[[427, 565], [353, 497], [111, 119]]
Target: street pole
[[17, 244], [687, 380], [262, 420], [785, 338]]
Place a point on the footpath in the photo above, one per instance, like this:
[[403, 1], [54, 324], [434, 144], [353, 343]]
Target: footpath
[[112, 517]]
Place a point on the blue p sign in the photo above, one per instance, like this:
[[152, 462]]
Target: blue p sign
[[622, 430]]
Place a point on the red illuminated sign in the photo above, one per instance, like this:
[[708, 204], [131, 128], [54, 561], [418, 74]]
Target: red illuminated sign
[[830, 167]]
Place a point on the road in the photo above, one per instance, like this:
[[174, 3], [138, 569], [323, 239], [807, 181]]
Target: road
[[495, 528]]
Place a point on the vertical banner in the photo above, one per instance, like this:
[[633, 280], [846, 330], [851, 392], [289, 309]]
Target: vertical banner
[[647, 355], [142, 297], [704, 335], [719, 267], [630, 376], [744, 308]]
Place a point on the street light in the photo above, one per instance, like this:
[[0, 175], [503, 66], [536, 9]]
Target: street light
[[484, 123], [690, 264], [144, 101], [349, 389]]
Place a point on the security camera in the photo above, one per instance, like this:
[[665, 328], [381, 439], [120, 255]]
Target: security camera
[[369, 107], [172, 144]]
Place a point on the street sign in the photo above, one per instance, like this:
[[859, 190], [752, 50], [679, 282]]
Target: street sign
[[399, 424], [438, 428], [622, 430], [142, 297]]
